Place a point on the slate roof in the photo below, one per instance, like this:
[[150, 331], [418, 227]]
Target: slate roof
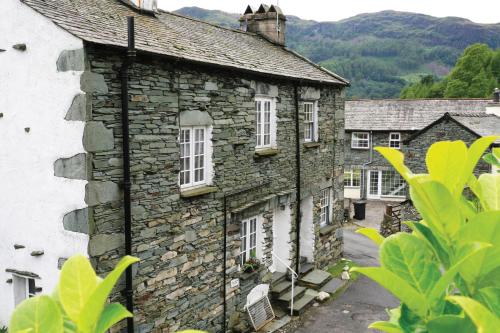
[[104, 22], [405, 115], [481, 124]]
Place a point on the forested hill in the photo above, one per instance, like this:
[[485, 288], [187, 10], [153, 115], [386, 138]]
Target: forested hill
[[381, 52]]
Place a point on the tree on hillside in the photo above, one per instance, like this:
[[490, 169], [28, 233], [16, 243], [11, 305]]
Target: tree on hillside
[[475, 75]]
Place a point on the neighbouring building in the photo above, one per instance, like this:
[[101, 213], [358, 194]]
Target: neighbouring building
[[236, 153], [409, 125]]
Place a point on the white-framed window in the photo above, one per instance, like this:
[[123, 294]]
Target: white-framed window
[[360, 140], [24, 287], [195, 156], [352, 178], [393, 185], [265, 122], [395, 140], [248, 238], [325, 207], [310, 121]]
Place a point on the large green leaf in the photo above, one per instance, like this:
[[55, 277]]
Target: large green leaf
[[77, 283], [446, 279], [450, 323], [438, 208], [485, 321], [95, 304], [39, 314], [411, 259], [396, 158], [446, 162], [397, 286], [372, 234], [491, 298], [410, 322], [476, 150], [386, 326], [489, 185], [483, 228], [437, 245], [112, 314]]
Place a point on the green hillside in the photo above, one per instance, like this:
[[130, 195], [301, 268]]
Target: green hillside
[[381, 52]]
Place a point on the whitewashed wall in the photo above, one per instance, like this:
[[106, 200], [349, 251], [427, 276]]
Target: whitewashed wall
[[34, 95]]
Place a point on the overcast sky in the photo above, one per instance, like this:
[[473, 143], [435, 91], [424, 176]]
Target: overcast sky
[[481, 11]]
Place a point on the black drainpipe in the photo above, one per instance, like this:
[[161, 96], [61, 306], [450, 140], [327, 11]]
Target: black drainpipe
[[298, 192], [130, 58]]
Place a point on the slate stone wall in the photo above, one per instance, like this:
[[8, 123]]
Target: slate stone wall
[[178, 283], [446, 130], [357, 157]]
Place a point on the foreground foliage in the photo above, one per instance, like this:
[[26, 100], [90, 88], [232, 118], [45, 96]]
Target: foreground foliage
[[446, 272], [79, 303]]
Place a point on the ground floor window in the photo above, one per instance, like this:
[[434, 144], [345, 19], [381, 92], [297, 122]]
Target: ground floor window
[[248, 238], [325, 204], [352, 178], [386, 183], [24, 288]]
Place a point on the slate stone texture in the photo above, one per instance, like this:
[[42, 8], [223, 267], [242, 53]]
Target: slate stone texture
[[178, 282]]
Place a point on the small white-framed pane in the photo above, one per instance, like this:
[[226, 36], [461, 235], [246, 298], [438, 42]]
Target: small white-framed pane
[[243, 240], [309, 121], [185, 145], [348, 178], [325, 207], [258, 109], [252, 246], [360, 140], [373, 188], [356, 178], [24, 288], [199, 155], [267, 123], [395, 140], [31, 287], [393, 184]]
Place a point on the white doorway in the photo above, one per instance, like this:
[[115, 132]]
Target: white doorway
[[307, 229], [282, 246]]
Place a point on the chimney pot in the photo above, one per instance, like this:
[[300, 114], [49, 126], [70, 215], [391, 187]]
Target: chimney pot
[[267, 21]]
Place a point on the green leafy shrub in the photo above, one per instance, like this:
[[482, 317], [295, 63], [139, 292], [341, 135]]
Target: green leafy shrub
[[446, 273], [79, 303]]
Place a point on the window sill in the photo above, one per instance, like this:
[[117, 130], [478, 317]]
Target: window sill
[[313, 144], [190, 193], [327, 229], [360, 148], [266, 152]]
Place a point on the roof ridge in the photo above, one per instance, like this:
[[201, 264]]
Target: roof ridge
[[205, 22]]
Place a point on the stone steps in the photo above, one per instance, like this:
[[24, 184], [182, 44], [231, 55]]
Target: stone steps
[[315, 279], [298, 292], [302, 303]]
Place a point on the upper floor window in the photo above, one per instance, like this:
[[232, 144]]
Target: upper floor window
[[360, 140], [325, 205], [248, 238], [24, 288], [310, 122], [265, 109], [395, 140], [352, 178], [194, 155]]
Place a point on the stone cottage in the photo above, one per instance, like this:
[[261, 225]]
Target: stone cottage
[[409, 125], [235, 148]]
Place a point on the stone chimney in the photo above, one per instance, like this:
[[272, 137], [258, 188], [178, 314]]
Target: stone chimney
[[267, 21], [494, 106]]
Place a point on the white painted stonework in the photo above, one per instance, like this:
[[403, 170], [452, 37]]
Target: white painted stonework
[[34, 95]]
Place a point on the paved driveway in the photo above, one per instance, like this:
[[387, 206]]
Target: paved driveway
[[361, 304]]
